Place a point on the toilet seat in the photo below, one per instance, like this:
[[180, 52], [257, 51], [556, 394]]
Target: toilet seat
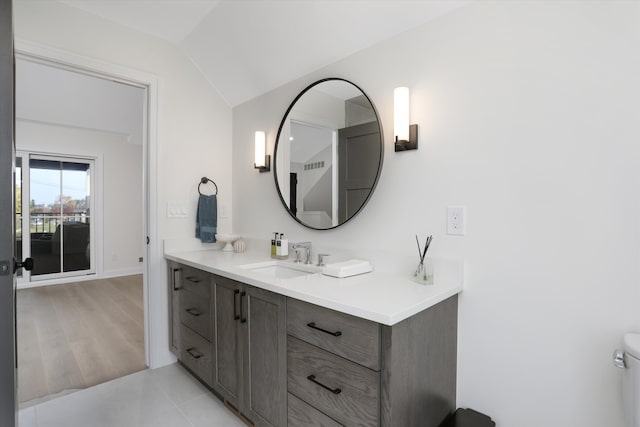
[[632, 345]]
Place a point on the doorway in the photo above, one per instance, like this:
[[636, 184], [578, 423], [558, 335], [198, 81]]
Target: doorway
[[315, 165], [83, 188]]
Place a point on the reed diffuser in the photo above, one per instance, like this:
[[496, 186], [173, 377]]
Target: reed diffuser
[[424, 271]]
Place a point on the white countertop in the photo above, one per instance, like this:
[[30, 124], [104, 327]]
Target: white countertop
[[382, 297]]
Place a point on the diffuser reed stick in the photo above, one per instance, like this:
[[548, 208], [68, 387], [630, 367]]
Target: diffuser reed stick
[[424, 273]]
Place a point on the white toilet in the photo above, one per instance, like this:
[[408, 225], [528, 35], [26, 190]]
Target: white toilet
[[629, 360]]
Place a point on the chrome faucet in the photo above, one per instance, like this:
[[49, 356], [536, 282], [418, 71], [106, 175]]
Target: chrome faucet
[[307, 247], [321, 260]]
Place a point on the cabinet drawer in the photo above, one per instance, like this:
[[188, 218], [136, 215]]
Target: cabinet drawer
[[195, 353], [351, 337], [301, 414], [196, 281], [195, 312], [343, 390]]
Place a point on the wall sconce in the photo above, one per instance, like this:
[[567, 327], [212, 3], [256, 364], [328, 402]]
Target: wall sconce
[[262, 159], [406, 135]]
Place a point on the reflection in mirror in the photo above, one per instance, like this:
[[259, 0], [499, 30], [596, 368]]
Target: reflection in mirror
[[328, 154]]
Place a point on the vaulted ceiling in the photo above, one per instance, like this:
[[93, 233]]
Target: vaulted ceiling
[[248, 47]]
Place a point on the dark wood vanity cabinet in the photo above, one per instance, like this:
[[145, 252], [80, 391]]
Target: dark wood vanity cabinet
[[191, 319], [347, 371], [250, 343], [280, 361], [233, 337], [174, 308]]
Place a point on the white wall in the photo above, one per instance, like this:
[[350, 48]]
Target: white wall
[[119, 178], [528, 115], [53, 95], [194, 131]]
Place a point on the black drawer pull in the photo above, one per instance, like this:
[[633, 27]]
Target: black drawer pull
[[194, 353], [312, 378], [313, 325], [193, 279], [176, 287], [236, 316], [243, 318], [193, 312]]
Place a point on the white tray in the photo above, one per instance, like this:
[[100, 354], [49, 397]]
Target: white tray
[[347, 268]]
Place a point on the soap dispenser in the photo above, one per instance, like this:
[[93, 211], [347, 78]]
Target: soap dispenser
[[283, 247], [273, 244], [278, 246]]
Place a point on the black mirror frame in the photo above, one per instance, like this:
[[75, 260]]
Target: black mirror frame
[[275, 152]]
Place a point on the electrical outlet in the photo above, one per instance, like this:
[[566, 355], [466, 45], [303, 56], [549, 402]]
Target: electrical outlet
[[223, 210], [455, 220]]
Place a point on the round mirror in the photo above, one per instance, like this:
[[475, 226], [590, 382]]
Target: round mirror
[[328, 154]]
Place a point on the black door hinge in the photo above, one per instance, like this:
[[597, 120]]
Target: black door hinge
[[5, 268]]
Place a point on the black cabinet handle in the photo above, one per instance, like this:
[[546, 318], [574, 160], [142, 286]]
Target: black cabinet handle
[[194, 312], [193, 279], [194, 353], [176, 287], [313, 325], [243, 319], [312, 378], [236, 316]]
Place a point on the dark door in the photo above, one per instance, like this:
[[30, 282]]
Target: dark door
[[358, 160], [7, 227], [265, 358], [228, 370]]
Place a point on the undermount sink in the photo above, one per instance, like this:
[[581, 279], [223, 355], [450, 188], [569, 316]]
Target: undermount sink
[[282, 269]]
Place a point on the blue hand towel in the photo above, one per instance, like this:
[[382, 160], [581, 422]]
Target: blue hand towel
[[207, 218]]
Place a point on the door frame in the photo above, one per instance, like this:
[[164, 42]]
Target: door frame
[[154, 298], [8, 398]]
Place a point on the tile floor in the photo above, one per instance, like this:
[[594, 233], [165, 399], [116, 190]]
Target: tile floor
[[164, 397]]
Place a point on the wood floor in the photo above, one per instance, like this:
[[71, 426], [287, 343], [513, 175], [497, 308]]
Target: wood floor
[[76, 335]]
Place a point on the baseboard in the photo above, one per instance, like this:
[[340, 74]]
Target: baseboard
[[84, 278], [120, 273]]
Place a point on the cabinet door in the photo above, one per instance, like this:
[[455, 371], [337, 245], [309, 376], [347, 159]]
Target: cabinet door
[[174, 311], [265, 357], [228, 369]]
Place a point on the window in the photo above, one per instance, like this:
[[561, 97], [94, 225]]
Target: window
[[55, 215]]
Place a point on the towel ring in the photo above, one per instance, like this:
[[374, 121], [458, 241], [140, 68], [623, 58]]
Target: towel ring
[[205, 180]]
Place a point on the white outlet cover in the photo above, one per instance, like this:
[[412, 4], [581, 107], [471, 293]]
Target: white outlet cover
[[223, 210], [456, 220]]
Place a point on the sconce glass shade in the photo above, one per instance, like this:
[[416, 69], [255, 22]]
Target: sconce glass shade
[[261, 140], [401, 113], [262, 160], [406, 135]]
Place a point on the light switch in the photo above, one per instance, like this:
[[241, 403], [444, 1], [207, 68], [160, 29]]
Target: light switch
[[177, 209], [455, 220]]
